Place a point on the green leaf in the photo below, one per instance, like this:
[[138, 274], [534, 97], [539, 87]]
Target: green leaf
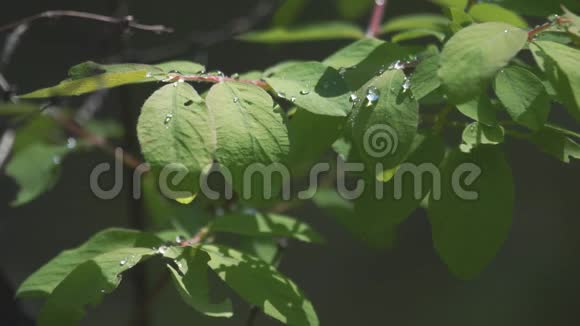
[[417, 34], [265, 249], [384, 205], [289, 12], [472, 218], [524, 96], [459, 19], [175, 127], [8, 109], [86, 285], [555, 143], [461, 4], [44, 281], [538, 8], [191, 281], [474, 55], [477, 134], [249, 129], [425, 80], [307, 33], [265, 225], [182, 67], [312, 86], [383, 129], [560, 64], [36, 169], [354, 9], [431, 22], [353, 54], [92, 69], [260, 284], [480, 109], [489, 12]]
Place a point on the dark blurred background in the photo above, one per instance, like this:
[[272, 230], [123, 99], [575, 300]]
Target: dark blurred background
[[533, 281]]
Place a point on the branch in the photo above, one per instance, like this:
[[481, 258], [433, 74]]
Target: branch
[[541, 28], [377, 18], [129, 21], [98, 141]]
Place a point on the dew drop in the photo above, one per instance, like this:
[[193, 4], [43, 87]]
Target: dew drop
[[406, 84], [236, 76], [281, 94], [180, 239], [236, 99], [161, 250], [71, 143], [168, 119], [292, 99], [123, 262], [149, 75], [505, 31], [304, 92], [353, 98], [553, 18], [381, 71], [372, 96], [56, 160], [397, 65], [342, 71]]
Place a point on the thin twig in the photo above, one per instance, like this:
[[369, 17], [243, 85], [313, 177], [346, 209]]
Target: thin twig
[[51, 14], [377, 18], [98, 141], [541, 28]]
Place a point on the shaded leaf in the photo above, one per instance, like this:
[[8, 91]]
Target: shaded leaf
[[556, 144], [472, 218], [417, 34], [480, 109], [436, 23], [354, 9], [36, 169], [425, 80], [477, 134]]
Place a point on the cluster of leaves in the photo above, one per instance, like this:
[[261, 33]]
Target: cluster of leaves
[[478, 77]]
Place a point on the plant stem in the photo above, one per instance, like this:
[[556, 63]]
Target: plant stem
[[216, 79], [377, 18], [52, 14]]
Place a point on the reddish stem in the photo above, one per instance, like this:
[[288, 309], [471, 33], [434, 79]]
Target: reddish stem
[[377, 18], [216, 79], [538, 29]]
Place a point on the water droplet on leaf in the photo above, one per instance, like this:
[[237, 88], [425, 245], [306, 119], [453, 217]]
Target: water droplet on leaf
[[168, 119], [71, 143], [372, 96]]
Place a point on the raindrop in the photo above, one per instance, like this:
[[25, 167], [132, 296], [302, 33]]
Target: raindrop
[[353, 98], [236, 76], [56, 159], [406, 84], [372, 96], [71, 143], [236, 99], [304, 92], [505, 31], [281, 94], [149, 75], [123, 262], [180, 239], [553, 18], [161, 250], [168, 119], [201, 72], [292, 99], [175, 72], [397, 65]]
